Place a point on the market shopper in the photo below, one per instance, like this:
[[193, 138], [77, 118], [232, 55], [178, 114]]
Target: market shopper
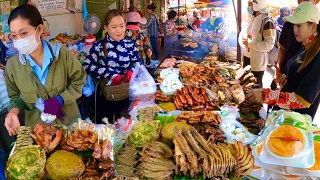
[[261, 36], [134, 20], [244, 35], [289, 46], [196, 23], [284, 11], [301, 89], [41, 70], [153, 25], [171, 32], [112, 58]]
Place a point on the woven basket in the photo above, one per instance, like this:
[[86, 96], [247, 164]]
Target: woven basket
[[24, 137]]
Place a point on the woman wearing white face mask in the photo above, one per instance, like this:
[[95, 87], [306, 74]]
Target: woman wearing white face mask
[[41, 70]]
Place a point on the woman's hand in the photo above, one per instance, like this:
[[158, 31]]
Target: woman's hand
[[2, 66], [245, 42], [12, 122], [282, 80], [255, 96]]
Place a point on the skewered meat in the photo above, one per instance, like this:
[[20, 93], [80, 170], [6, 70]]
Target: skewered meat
[[102, 151], [97, 151], [105, 164], [106, 149], [80, 140], [108, 174]]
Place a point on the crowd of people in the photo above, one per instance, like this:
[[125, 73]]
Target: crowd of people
[[298, 85], [50, 72]]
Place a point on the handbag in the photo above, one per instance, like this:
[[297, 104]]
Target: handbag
[[114, 93]]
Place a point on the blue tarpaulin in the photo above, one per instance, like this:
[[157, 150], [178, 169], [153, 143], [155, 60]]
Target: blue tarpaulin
[[220, 2], [2, 165]]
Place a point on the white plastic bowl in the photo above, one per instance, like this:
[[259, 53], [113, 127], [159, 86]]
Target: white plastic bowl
[[289, 157]]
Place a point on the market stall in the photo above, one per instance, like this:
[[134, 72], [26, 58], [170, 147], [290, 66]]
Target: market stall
[[195, 124], [192, 121], [201, 141]]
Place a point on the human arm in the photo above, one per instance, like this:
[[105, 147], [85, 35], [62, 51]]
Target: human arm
[[269, 34], [281, 54], [304, 95], [284, 100], [16, 104], [94, 63], [283, 43], [147, 47], [134, 58], [152, 18], [76, 80]]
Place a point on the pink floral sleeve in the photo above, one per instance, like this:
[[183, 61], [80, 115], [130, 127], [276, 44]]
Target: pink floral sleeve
[[171, 29], [284, 100]]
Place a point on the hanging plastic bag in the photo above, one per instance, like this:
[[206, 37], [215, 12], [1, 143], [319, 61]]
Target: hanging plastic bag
[[88, 88], [142, 85]]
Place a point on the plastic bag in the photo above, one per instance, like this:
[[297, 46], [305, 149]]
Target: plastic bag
[[142, 85], [170, 73], [233, 130], [170, 85], [4, 99], [124, 125], [229, 113], [139, 105], [88, 88]]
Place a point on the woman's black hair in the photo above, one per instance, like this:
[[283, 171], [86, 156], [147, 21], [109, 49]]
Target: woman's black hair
[[28, 12], [172, 14], [132, 23], [152, 7]]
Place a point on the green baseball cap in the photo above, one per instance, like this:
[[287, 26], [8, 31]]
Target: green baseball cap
[[305, 12]]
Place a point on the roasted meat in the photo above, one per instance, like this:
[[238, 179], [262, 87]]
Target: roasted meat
[[47, 136], [97, 151], [105, 164], [106, 149], [80, 140]]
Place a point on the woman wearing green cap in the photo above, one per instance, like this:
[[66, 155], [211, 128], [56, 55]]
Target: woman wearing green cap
[[301, 88]]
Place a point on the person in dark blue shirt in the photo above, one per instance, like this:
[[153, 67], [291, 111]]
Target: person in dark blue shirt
[[300, 87], [112, 58]]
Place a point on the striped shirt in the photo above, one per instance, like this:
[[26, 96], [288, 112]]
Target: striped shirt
[[153, 25]]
